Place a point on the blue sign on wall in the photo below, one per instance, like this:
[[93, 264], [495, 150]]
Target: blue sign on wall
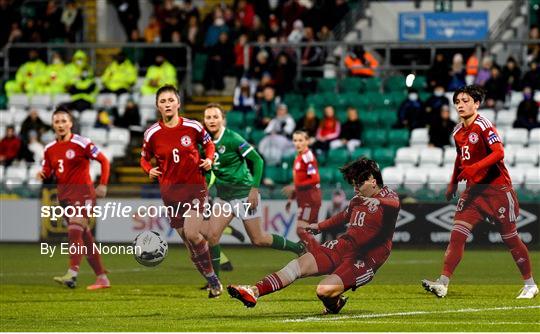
[[456, 26]]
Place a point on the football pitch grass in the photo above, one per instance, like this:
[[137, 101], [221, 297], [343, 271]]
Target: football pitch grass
[[167, 297]]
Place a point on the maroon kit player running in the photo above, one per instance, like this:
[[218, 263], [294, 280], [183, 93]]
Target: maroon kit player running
[[489, 193], [306, 188], [350, 261], [68, 159], [173, 141]]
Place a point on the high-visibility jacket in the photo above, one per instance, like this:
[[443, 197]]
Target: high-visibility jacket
[[118, 76], [472, 65], [158, 76], [356, 66]]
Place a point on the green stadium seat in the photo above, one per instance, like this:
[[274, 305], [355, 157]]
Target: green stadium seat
[[396, 98], [199, 64], [395, 83], [374, 138], [372, 84], [278, 174], [384, 156], [420, 83], [327, 174], [353, 85], [326, 85], [338, 157], [369, 119], [288, 161], [387, 118], [250, 118], [357, 100], [235, 119], [256, 135], [398, 137], [361, 152]]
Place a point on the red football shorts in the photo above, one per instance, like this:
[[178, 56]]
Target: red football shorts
[[498, 203], [309, 203], [185, 201]]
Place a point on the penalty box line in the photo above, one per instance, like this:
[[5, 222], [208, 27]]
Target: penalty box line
[[397, 314]]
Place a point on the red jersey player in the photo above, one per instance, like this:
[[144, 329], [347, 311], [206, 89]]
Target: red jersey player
[[306, 186], [174, 141], [350, 261], [68, 158], [489, 193]]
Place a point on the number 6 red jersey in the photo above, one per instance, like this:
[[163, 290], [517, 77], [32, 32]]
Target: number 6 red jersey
[[176, 151], [473, 143]]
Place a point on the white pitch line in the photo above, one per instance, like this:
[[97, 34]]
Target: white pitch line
[[49, 273], [453, 322], [397, 314]]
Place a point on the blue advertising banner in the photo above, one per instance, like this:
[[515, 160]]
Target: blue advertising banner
[[429, 26]]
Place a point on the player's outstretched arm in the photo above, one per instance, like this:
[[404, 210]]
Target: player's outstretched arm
[[334, 221], [101, 189]]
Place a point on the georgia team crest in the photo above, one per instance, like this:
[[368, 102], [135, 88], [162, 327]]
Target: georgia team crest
[[185, 141], [70, 154], [221, 149], [473, 138]]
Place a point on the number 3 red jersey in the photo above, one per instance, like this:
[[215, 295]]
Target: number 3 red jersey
[[70, 163], [176, 151], [473, 143]]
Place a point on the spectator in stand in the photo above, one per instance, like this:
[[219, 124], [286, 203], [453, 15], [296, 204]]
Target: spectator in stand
[[83, 91], [53, 22], [511, 74], [311, 56], [103, 120], [297, 33], [284, 74], [457, 73], [351, 132], [244, 96], [8, 16], [136, 55], [274, 29], [220, 59], [471, 69], [329, 130], [441, 128], [28, 76], [214, 31], [192, 33], [274, 147], [120, 76], [283, 124], [54, 79], [239, 54], [309, 123], [32, 32], [533, 49], [33, 123], [10, 147], [128, 13], [161, 73], [361, 63], [266, 80], [292, 11], [527, 112], [152, 32], [266, 109], [484, 73], [245, 12], [338, 9], [168, 15], [411, 112], [34, 148], [176, 56], [258, 27], [261, 65], [325, 34], [73, 22], [434, 103], [438, 73], [532, 76], [189, 10], [496, 89], [130, 117]]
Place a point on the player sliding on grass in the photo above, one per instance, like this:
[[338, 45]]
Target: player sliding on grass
[[350, 261], [174, 141], [489, 193], [237, 187], [68, 159], [306, 187]]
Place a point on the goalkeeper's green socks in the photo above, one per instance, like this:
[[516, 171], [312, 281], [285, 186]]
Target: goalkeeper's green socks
[[279, 242], [215, 253]]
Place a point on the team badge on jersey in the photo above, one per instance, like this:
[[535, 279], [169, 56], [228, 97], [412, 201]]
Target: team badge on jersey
[[473, 138], [221, 149], [70, 154], [186, 141], [297, 166]]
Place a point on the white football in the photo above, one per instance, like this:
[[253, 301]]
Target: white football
[[150, 248]]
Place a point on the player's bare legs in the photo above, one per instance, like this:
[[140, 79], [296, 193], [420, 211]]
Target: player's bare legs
[[80, 235], [330, 292], [200, 253], [454, 252], [304, 266]]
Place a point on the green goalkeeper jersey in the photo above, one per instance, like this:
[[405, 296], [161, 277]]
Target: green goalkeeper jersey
[[233, 177]]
